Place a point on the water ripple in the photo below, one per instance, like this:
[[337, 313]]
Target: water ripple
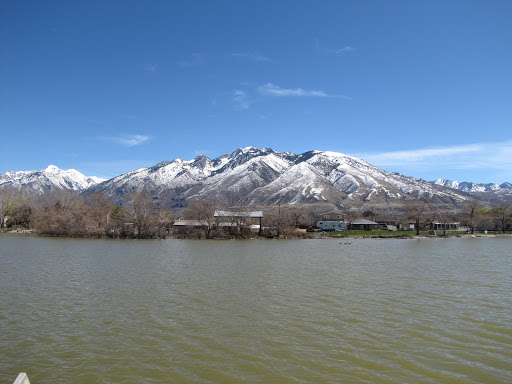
[[387, 311]]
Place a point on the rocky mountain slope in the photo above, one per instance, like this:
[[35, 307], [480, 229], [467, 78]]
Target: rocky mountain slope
[[496, 193], [472, 187], [47, 179], [260, 177], [254, 177]]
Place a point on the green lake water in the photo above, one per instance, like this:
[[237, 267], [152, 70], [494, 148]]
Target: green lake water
[[256, 311]]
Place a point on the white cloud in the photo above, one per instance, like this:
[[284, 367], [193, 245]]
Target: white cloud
[[420, 155], [271, 89], [333, 51], [480, 156], [126, 140], [251, 56], [195, 60], [343, 50], [241, 99], [275, 90]]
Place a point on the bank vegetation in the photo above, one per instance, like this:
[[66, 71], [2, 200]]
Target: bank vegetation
[[65, 213]]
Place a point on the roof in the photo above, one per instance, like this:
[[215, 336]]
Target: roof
[[335, 212], [186, 223], [223, 224], [238, 214], [445, 222], [364, 221], [386, 219]]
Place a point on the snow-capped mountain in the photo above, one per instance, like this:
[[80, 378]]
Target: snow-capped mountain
[[496, 193], [47, 179], [472, 187], [253, 176]]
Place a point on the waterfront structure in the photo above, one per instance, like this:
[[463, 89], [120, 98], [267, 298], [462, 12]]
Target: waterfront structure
[[363, 225], [332, 216], [236, 222]]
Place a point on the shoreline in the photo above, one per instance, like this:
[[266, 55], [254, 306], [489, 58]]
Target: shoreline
[[318, 236]]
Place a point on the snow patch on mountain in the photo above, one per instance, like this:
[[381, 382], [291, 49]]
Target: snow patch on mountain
[[472, 187], [263, 176], [47, 179]]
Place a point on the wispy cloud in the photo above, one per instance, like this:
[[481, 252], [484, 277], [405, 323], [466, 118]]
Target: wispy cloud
[[421, 155], [126, 140], [110, 169], [343, 50], [333, 51], [150, 67], [194, 61], [241, 99], [275, 90], [246, 95], [271, 89], [480, 156], [251, 56]]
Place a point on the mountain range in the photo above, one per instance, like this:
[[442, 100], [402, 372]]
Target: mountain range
[[48, 179], [262, 177]]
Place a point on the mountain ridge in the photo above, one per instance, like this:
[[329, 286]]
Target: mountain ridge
[[253, 176], [47, 179], [469, 186]]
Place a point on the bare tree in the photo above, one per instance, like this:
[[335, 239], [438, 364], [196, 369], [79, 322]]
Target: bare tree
[[165, 220], [61, 213], [310, 217], [502, 216], [444, 220], [295, 216], [419, 211], [350, 216], [21, 212], [280, 221], [6, 205], [471, 215], [203, 212], [98, 213], [142, 211], [116, 222]]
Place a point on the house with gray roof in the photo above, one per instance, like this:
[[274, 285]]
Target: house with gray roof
[[332, 216], [363, 225], [236, 222]]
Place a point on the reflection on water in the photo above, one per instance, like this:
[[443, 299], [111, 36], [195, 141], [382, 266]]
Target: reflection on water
[[301, 311]]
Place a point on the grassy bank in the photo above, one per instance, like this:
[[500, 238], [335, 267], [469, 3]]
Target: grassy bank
[[399, 234]]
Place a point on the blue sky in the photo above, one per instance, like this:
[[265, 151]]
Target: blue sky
[[418, 87]]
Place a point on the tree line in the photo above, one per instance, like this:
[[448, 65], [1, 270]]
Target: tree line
[[472, 214], [67, 213]]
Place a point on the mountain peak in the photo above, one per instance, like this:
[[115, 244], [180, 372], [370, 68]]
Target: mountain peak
[[471, 187], [47, 179], [261, 176], [52, 169]]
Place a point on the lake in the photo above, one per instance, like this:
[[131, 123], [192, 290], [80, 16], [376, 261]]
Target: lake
[[256, 311]]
